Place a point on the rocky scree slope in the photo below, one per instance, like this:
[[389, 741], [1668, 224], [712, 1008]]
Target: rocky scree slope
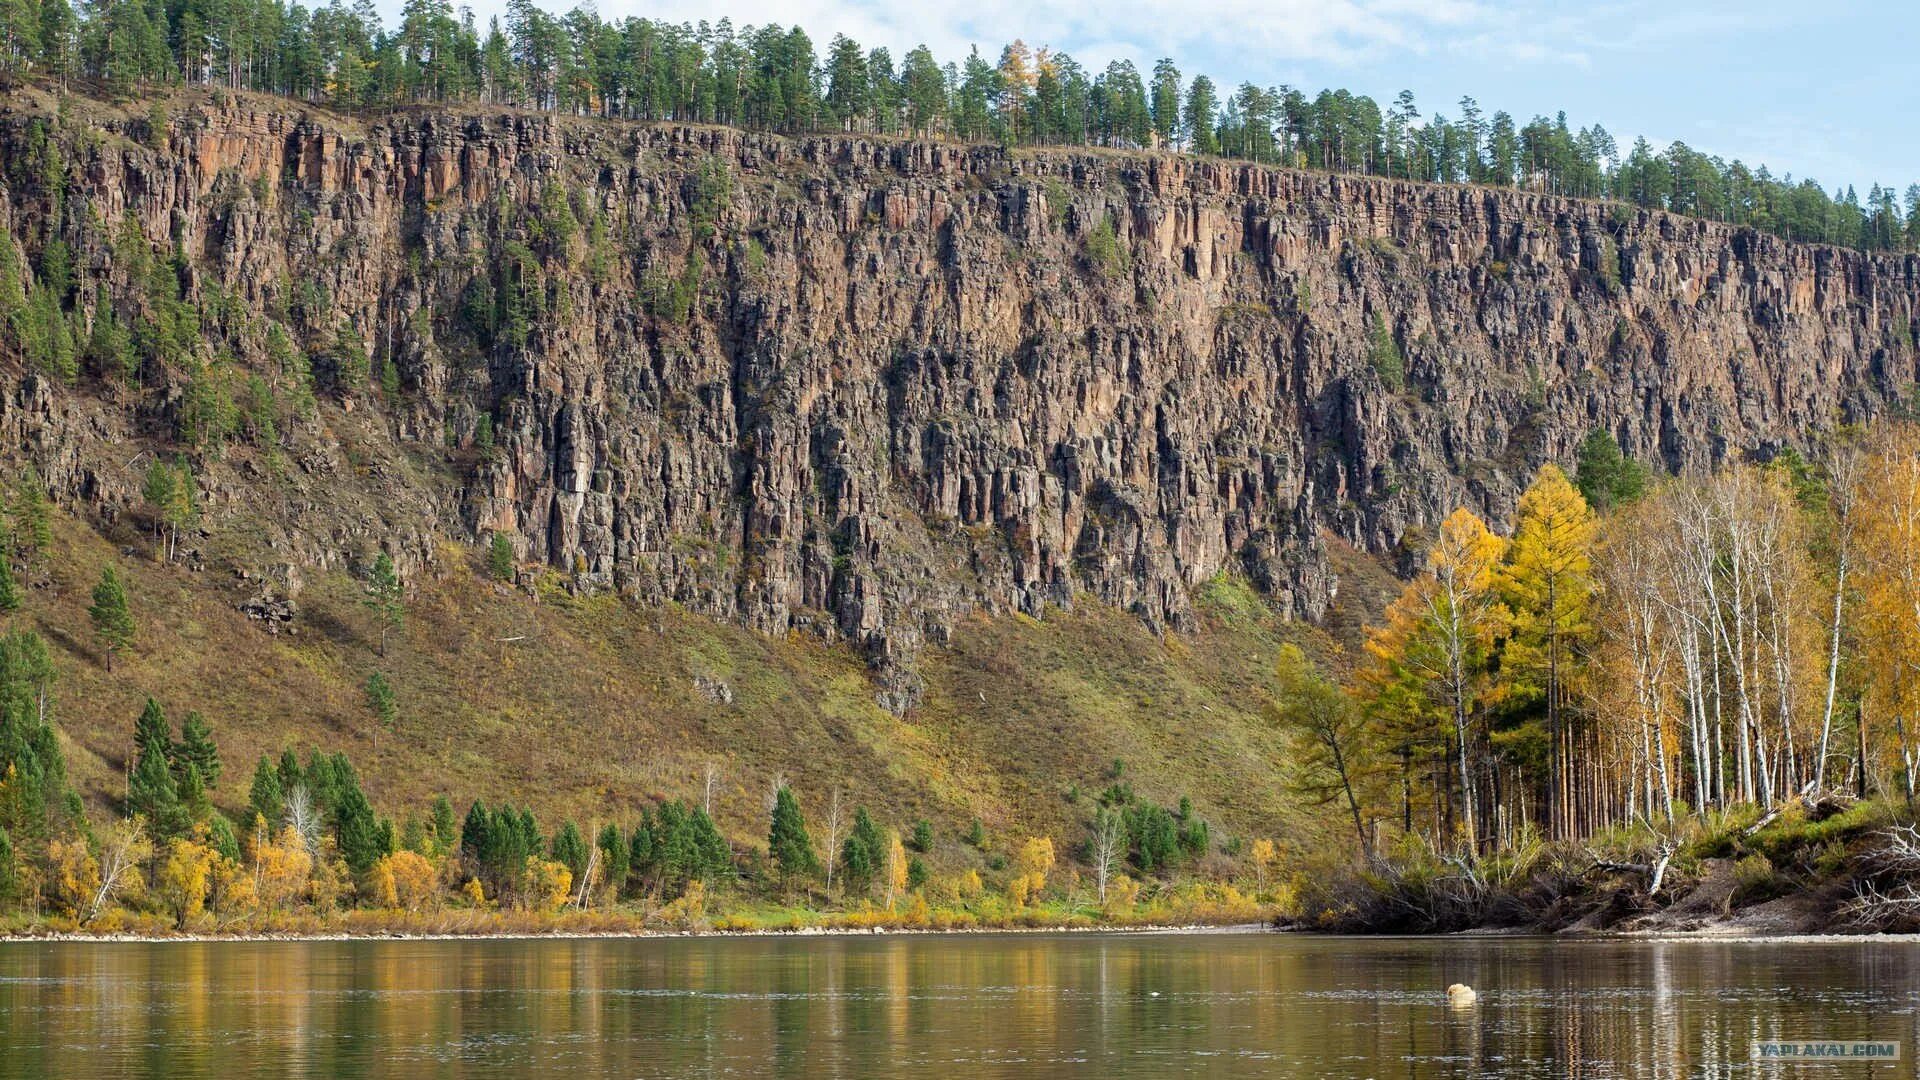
[[858, 387]]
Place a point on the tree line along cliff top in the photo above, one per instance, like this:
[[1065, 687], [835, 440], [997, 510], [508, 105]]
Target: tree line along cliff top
[[774, 78]]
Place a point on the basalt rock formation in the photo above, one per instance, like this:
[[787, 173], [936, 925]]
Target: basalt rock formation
[[856, 386]]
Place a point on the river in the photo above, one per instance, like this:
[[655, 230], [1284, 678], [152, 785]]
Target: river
[[974, 1005]]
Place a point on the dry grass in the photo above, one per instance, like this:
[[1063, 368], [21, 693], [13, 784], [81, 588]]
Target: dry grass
[[591, 710]]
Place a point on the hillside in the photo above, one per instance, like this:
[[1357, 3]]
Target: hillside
[[967, 471], [594, 707]]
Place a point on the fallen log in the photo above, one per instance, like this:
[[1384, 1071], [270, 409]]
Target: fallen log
[[1655, 871]]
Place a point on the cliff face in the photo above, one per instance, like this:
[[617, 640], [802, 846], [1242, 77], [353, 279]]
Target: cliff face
[[859, 387]]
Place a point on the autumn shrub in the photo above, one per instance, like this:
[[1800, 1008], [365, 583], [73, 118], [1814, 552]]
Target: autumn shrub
[[689, 911], [181, 883]]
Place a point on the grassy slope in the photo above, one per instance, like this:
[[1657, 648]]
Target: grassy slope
[[593, 710]]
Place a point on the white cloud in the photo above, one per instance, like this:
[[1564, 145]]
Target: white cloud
[[1261, 35]]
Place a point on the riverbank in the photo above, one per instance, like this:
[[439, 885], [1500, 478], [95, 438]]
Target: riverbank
[[563, 935], [1825, 866]]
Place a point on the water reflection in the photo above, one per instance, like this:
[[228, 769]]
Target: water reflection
[[986, 1005]]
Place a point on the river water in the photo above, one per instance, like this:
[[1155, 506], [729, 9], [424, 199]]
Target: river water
[[979, 1005]]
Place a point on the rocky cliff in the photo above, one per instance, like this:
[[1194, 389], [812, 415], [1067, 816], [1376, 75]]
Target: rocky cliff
[[857, 387]]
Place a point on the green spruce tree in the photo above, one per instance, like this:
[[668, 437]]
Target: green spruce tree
[[570, 850], [152, 792], [196, 748], [385, 596], [266, 795], [446, 831], [196, 808], [788, 844], [500, 557], [32, 517], [112, 621], [9, 589], [860, 856], [381, 701]]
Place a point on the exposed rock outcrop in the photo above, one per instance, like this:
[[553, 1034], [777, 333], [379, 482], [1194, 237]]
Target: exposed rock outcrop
[[857, 387]]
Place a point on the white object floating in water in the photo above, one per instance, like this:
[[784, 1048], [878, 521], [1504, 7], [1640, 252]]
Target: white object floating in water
[[1460, 995]]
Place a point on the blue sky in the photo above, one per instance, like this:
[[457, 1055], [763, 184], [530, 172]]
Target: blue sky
[[1825, 89]]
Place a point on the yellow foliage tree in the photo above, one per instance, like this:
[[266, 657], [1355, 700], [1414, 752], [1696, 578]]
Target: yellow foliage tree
[[379, 884], [183, 878], [73, 876], [1431, 655], [413, 878], [230, 888], [896, 866], [1547, 584], [1262, 854], [1889, 541], [548, 883], [329, 880], [281, 867], [1031, 862]]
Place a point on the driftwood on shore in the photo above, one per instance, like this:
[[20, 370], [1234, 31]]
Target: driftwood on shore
[[1655, 871], [1819, 806]]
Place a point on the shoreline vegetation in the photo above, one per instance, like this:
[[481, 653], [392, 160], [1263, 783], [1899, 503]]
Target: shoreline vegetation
[[1825, 867], [560, 931]]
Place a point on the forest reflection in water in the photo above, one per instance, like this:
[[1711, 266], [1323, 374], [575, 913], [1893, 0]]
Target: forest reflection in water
[[1211, 1004]]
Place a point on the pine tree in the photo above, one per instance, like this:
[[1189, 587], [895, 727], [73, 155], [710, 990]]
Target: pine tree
[[195, 806], [384, 596], [923, 836], [1165, 102], [266, 795], [9, 589], [1606, 477], [500, 557], [151, 731], [289, 771], [1330, 735], [32, 517], [380, 699], [788, 844], [860, 856], [56, 40], [446, 831], [613, 858], [157, 490], [9, 877], [570, 849], [642, 850], [363, 837], [221, 837], [151, 790], [197, 749], [112, 621], [713, 856], [414, 838]]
